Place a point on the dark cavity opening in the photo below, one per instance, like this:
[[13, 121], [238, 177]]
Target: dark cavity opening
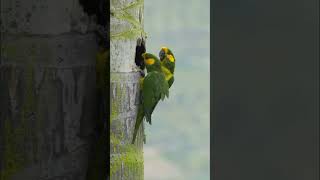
[[140, 49]]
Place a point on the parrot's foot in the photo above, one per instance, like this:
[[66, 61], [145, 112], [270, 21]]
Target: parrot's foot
[[142, 74]]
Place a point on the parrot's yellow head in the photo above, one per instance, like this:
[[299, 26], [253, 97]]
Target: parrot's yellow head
[[165, 49], [152, 62], [166, 53], [149, 59], [163, 52]]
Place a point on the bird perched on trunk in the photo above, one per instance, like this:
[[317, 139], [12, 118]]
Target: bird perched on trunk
[[167, 64], [155, 87]]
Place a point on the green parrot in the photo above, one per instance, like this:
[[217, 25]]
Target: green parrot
[[154, 88], [167, 64]]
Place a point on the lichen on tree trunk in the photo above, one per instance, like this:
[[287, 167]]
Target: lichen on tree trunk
[[126, 29]]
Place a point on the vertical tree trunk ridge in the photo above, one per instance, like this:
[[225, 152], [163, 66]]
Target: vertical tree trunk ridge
[[126, 30], [47, 90]]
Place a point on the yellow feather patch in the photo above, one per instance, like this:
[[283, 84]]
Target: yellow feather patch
[[165, 49], [149, 61], [167, 73], [171, 58]]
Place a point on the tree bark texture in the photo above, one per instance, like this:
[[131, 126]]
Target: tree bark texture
[[126, 30], [47, 90]]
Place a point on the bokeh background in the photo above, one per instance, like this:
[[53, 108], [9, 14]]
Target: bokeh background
[[178, 142]]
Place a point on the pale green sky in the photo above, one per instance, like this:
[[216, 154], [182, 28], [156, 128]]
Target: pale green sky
[[178, 141]]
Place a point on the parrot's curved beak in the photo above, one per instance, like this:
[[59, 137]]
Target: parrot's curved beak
[[144, 55]]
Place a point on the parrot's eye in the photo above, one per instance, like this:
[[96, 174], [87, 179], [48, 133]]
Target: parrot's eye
[[149, 61], [162, 55], [171, 58]]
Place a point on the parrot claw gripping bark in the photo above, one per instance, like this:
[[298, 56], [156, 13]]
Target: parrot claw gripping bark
[[155, 87]]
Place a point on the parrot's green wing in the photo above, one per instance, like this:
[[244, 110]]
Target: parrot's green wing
[[155, 87], [170, 81]]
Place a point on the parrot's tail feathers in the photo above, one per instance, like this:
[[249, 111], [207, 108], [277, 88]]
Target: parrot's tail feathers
[[134, 137], [136, 128], [139, 120], [135, 132], [148, 118]]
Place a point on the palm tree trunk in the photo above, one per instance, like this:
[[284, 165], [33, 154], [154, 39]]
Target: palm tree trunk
[[47, 90], [126, 30]]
